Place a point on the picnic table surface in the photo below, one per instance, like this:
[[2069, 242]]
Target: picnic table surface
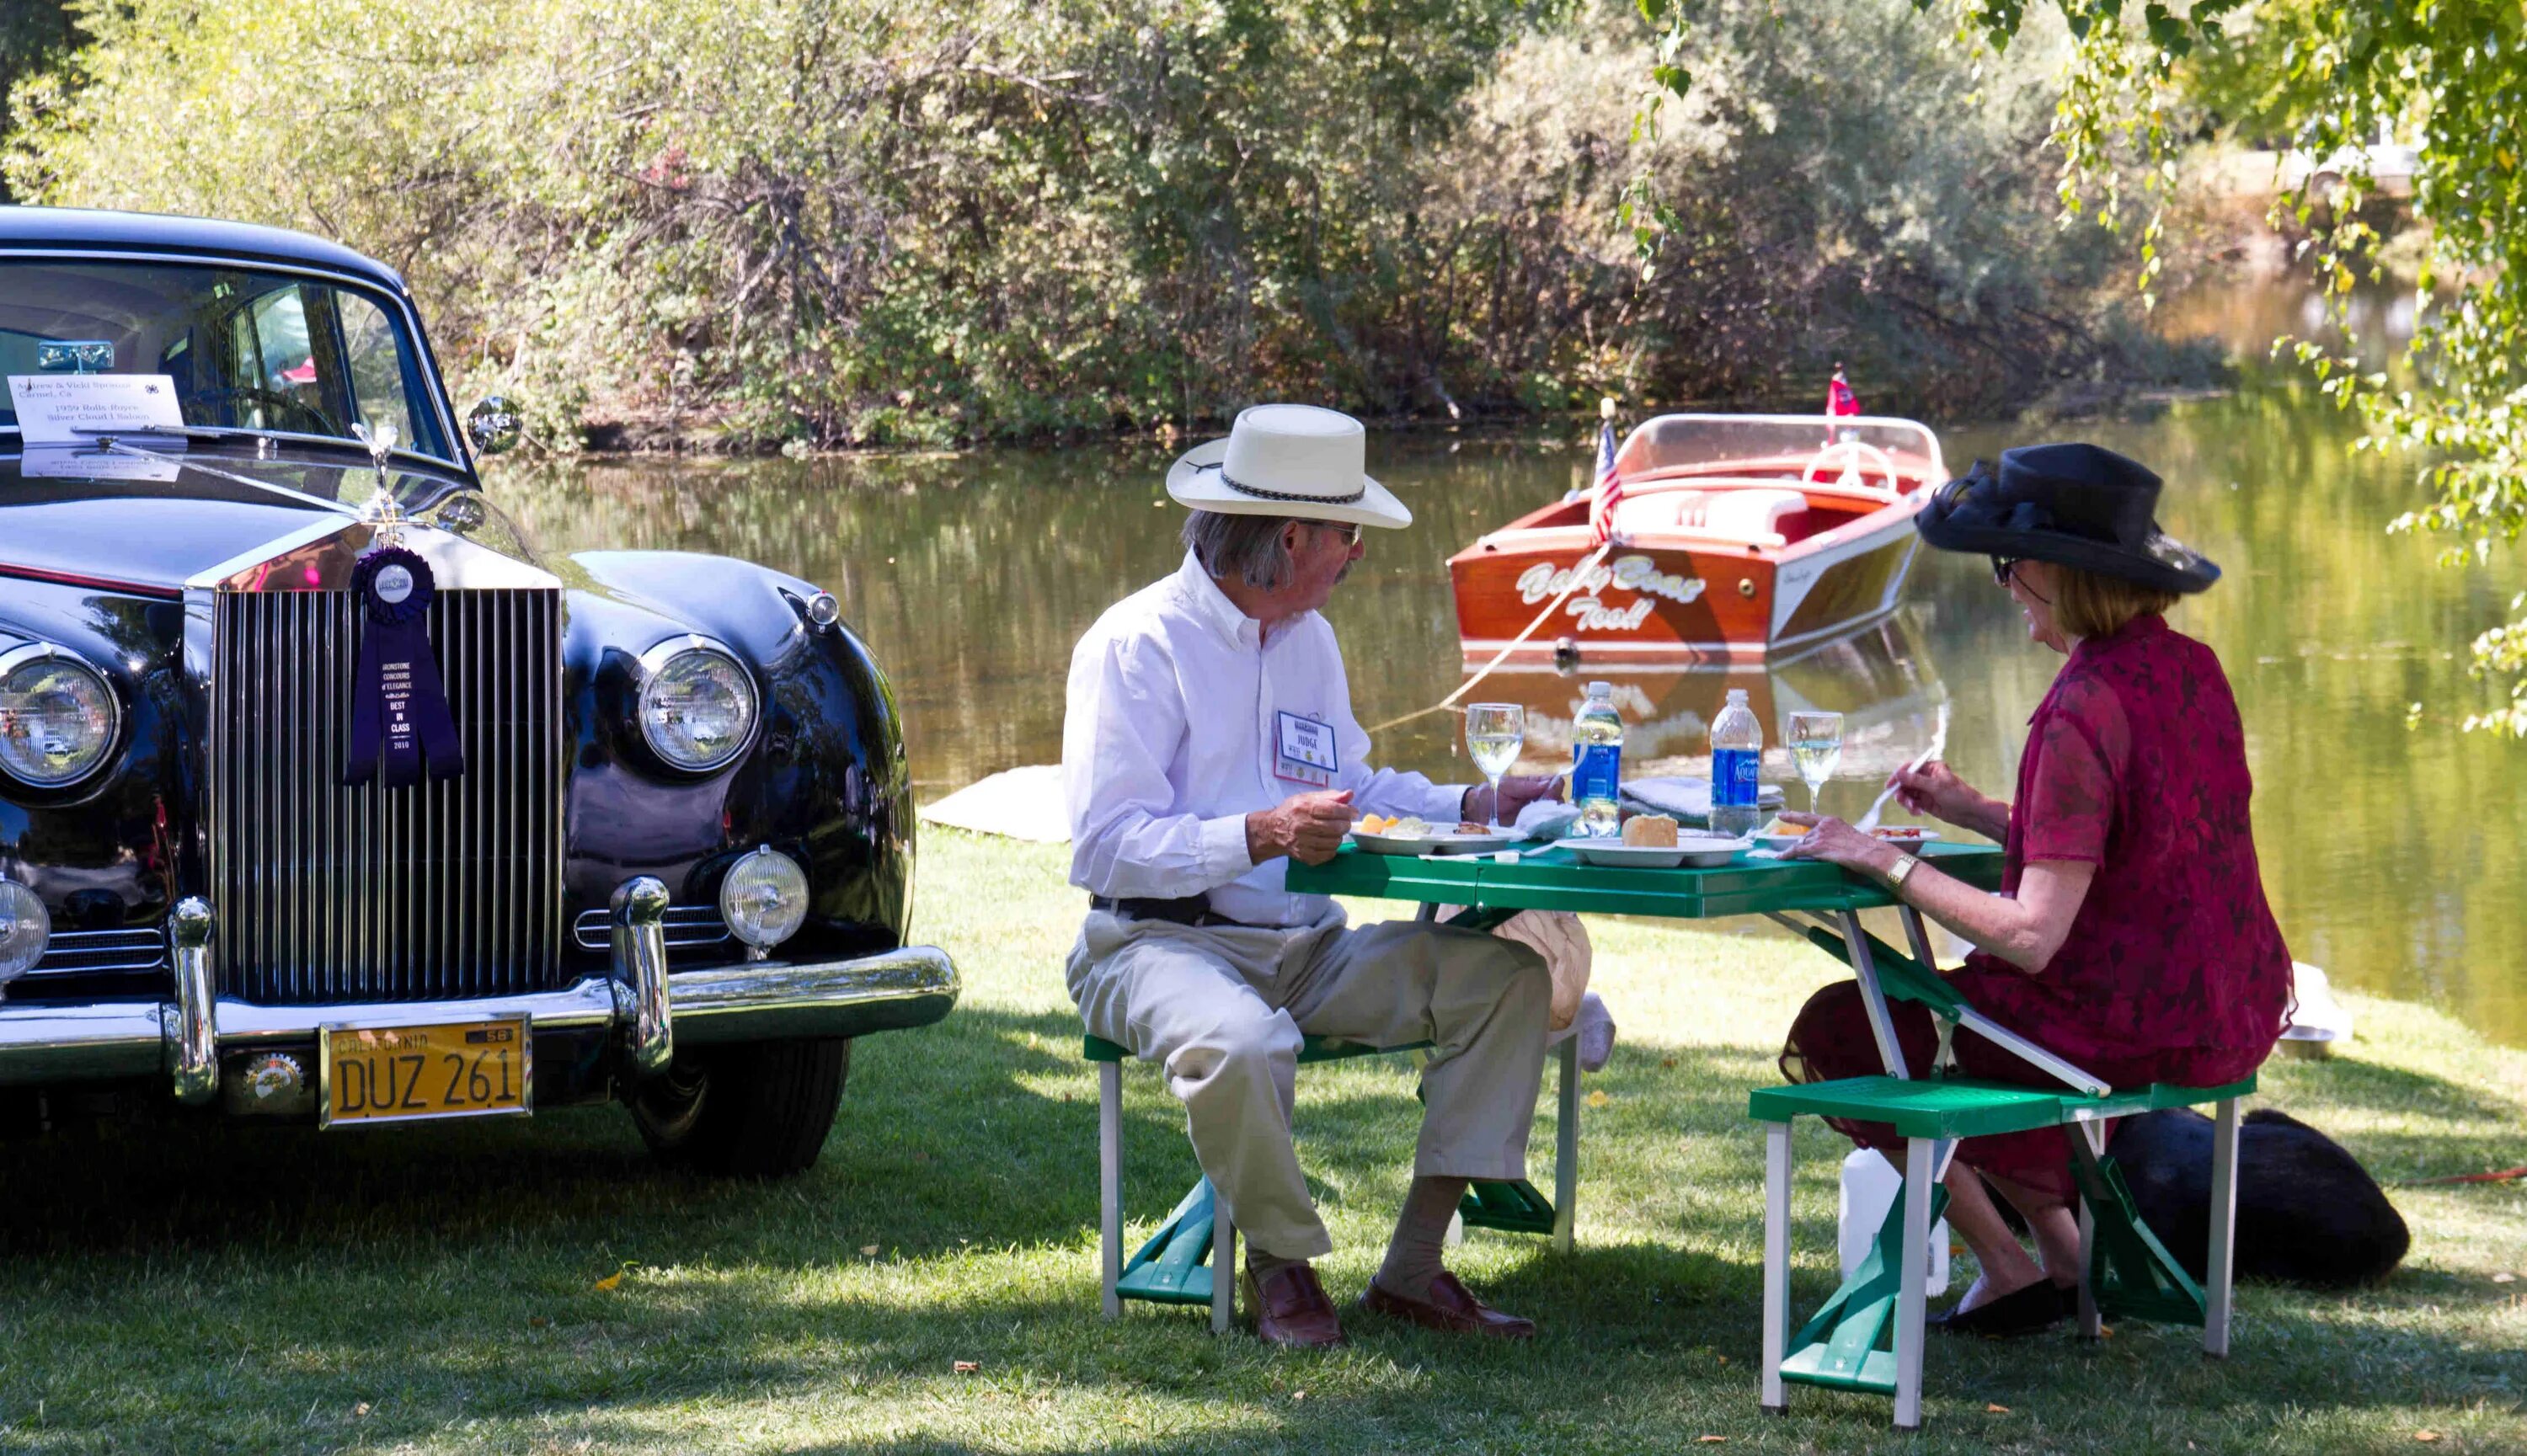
[[1556, 880]]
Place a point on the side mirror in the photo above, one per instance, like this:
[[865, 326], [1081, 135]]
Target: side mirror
[[491, 427]]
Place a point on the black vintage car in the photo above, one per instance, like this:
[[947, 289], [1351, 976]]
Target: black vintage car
[[674, 866]]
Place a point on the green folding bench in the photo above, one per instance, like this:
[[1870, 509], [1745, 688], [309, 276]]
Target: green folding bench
[[1868, 1336], [1193, 1257]]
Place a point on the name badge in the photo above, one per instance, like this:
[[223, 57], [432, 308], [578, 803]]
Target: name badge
[[1307, 750]]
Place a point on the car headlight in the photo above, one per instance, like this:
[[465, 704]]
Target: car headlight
[[58, 717], [765, 898], [24, 930], [697, 703]]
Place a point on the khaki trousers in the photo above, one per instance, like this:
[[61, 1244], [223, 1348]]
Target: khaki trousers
[[1222, 1008]]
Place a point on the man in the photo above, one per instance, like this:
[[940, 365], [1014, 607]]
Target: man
[[1209, 739]]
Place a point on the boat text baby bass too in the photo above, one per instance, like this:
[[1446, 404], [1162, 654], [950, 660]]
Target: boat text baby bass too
[[1736, 535]]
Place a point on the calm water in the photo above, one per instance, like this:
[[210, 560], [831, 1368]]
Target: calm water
[[2392, 852]]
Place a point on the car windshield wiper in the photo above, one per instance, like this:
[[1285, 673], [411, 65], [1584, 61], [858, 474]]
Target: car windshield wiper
[[114, 442]]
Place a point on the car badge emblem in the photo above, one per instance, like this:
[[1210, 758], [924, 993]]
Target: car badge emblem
[[274, 1074]]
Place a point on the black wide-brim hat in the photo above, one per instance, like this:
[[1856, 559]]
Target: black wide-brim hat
[[2076, 505]]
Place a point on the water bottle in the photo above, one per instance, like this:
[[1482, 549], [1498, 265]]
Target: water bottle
[[1597, 763], [1737, 767]]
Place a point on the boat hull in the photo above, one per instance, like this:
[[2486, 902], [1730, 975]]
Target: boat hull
[[1653, 600]]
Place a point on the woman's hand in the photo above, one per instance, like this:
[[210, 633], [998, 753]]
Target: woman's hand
[[1936, 790], [1838, 843]]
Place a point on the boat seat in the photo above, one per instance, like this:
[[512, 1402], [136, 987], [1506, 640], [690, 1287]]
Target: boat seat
[[1751, 515]]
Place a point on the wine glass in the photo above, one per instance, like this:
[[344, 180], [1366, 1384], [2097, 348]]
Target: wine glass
[[1494, 732], [1816, 747]]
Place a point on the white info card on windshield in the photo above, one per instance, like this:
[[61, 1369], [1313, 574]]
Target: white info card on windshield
[[73, 409]]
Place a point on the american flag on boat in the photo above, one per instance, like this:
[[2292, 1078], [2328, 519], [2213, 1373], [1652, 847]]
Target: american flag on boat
[[1610, 487]]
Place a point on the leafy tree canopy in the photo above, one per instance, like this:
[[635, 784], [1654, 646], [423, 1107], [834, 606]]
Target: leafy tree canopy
[[2446, 76]]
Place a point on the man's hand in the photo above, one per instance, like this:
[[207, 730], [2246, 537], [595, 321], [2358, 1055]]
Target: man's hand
[[1517, 791], [1308, 827]]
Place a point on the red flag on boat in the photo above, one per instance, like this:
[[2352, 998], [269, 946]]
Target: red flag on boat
[[1610, 485], [1839, 398]]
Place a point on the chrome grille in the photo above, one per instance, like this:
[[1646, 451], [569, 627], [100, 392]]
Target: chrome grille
[[96, 953], [327, 892]]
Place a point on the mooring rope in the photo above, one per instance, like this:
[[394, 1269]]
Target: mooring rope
[[1578, 574]]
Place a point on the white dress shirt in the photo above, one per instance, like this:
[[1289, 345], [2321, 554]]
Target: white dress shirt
[[1171, 739]]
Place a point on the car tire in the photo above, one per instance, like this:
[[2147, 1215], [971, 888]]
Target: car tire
[[745, 1110]]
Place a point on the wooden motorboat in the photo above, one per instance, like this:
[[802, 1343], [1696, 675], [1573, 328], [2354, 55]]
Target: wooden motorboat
[[1732, 536]]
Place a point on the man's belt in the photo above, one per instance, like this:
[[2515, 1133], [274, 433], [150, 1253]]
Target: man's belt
[[1186, 910]]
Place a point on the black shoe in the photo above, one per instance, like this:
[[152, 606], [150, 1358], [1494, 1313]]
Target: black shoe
[[2042, 1305]]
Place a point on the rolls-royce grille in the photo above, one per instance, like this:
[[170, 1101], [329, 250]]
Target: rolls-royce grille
[[447, 888]]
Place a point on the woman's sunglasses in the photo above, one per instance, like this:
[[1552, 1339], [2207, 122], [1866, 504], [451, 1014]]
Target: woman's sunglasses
[[2002, 565]]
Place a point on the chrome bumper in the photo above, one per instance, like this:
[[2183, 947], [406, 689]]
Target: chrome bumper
[[650, 1008]]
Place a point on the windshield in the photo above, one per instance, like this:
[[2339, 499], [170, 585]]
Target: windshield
[[1787, 445], [246, 349]]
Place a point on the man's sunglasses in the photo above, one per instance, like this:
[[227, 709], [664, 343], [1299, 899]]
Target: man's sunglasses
[[1348, 530]]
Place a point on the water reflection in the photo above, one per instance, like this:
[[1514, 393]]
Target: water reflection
[[2394, 855]]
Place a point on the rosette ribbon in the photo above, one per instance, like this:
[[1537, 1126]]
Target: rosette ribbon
[[398, 708]]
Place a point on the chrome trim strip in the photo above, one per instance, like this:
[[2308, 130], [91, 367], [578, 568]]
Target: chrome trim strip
[[192, 1032], [758, 1002], [639, 955]]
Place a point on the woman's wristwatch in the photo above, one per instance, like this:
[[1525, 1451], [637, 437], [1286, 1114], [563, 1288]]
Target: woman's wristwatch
[[1897, 872]]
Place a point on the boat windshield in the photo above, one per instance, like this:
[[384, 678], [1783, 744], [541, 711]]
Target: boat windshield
[[1783, 445], [270, 353]]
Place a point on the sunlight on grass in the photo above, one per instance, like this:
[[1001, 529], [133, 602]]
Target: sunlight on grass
[[199, 1287]]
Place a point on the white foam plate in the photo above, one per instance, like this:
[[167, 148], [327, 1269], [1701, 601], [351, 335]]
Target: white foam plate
[[1449, 842], [1910, 836], [1701, 851]]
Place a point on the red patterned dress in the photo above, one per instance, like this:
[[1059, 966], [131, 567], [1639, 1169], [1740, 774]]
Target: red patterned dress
[[2174, 970]]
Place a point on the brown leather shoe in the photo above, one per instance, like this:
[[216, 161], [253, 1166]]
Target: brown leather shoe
[[1451, 1307], [1291, 1309]]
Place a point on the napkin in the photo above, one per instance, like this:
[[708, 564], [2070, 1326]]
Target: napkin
[[1687, 798]]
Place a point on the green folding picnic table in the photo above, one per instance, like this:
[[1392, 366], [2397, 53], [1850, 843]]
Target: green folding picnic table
[[1868, 1336]]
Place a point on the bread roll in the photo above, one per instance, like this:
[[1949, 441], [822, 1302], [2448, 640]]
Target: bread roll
[[1650, 830]]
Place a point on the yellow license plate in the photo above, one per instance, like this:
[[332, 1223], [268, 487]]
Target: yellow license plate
[[407, 1073]]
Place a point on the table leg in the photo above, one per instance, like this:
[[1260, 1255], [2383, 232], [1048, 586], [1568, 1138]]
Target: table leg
[[1911, 1288], [1881, 1022], [1566, 1152], [1777, 1262], [2093, 1143], [1110, 1180], [1223, 1266], [2220, 1282]]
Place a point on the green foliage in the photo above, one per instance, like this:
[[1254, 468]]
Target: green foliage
[[33, 35], [2449, 76], [830, 222]]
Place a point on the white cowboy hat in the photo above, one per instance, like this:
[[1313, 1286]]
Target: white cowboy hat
[[1287, 460]]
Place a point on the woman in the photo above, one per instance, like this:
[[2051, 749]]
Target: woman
[[2131, 934]]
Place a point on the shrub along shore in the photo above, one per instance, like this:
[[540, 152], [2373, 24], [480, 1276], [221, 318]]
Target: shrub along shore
[[210, 1288], [832, 222]]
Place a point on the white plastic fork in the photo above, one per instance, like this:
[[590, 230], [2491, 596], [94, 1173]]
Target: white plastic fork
[[1939, 740]]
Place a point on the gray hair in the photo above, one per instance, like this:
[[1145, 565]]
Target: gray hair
[[1247, 547]]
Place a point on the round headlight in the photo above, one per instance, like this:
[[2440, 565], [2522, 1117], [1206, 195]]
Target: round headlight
[[696, 704], [58, 717], [25, 928], [765, 898]]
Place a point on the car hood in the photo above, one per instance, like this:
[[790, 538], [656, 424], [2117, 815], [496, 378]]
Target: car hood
[[143, 525]]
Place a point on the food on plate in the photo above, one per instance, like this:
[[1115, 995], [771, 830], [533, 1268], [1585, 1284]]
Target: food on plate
[[1651, 830], [1468, 826], [1408, 828], [1900, 833], [1371, 824], [1782, 829]]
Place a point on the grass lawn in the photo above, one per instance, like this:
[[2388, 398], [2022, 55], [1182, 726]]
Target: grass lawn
[[201, 1287]]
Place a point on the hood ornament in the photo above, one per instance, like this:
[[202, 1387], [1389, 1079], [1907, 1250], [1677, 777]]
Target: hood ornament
[[382, 509]]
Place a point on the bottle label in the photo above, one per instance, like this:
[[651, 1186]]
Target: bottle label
[[1736, 777], [1596, 771]]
